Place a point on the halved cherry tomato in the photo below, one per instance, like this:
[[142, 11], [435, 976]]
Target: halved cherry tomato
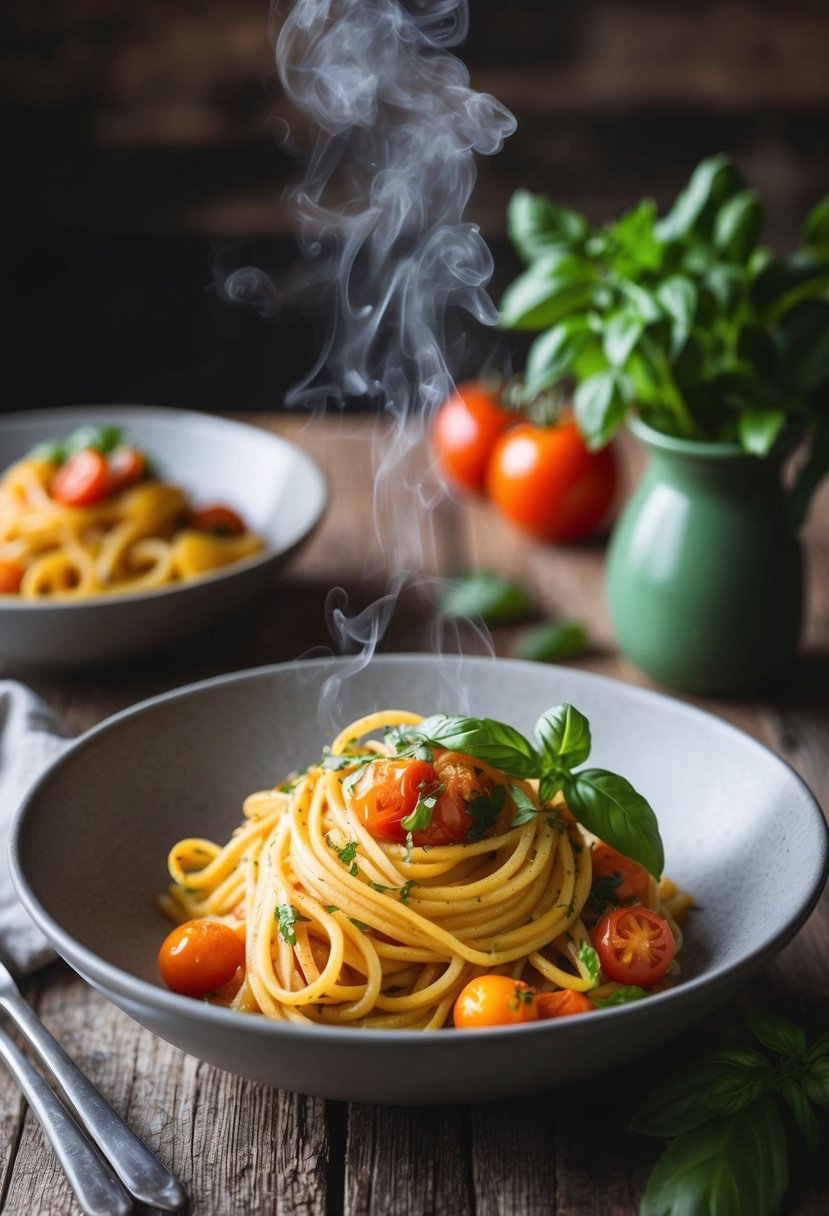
[[11, 575], [219, 519], [126, 465], [388, 790], [464, 433], [562, 1004], [544, 479], [494, 1000], [634, 880], [200, 956], [83, 479], [634, 945]]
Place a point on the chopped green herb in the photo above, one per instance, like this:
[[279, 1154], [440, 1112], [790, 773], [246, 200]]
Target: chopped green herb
[[523, 996], [622, 996], [405, 890], [286, 917], [332, 908], [589, 959], [359, 924], [525, 808], [421, 816], [603, 889], [483, 811]]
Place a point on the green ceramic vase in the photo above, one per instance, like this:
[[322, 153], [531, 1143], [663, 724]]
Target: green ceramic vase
[[704, 573]]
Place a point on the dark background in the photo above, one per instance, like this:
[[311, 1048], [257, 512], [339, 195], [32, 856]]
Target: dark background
[[139, 161]]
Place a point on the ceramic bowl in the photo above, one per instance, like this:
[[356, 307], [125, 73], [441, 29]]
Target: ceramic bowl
[[276, 487], [741, 832]]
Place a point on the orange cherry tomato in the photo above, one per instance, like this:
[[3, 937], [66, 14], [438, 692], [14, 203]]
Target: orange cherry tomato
[[634, 945], [11, 576], [634, 880], [388, 790], [126, 465], [494, 1000], [200, 956], [562, 1004], [82, 480], [545, 480], [219, 519], [465, 429]]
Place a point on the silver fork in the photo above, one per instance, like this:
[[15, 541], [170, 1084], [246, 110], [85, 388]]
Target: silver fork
[[135, 1164]]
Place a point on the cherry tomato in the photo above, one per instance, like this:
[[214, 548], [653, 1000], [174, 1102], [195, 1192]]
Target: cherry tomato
[[11, 575], [635, 946], [388, 790], [545, 480], [126, 465], [83, 479], [562, 1004], [634, 880], [219, 519], [200, 956], [494, 1000], [464, 433]]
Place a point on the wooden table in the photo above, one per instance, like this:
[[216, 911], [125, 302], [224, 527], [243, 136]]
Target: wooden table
[[240, 1148]]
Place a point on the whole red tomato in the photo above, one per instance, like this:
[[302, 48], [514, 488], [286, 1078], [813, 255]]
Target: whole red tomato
[[465, 429], [544, 479]]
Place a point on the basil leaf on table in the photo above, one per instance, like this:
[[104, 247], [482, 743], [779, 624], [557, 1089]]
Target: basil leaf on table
[[485, 595], [552, 642], [730, 1166]]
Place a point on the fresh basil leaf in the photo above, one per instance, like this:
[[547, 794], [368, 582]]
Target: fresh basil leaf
[[483, 738], [564, 735], [421, 816], [738, 1057], [677, 1104], [525, 808], [104, 438], [600, 404], [777, 1033], [798, 1103], [622, 330], [546, 293], [819, 1048], [711, 183], [589, 959], [732, 1166], [553, 642], [678, 297], [816, 225], [287, 916], [553, 354], [738, 225], [786, 281], [759, 430], [815, 1082], [634, 247], [739, 1089], [622, 996], [548, 786], [756, 349], [609, 807], [804, 345], [483, 811], [486, 595], [535, 223]]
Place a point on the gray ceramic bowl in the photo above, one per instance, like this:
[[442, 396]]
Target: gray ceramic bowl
[[276, 487], [741, 832]]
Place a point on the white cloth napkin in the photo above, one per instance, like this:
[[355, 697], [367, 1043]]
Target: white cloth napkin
[[30, 737]]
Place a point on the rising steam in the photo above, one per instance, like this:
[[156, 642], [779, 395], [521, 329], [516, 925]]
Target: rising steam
[[393, 129]]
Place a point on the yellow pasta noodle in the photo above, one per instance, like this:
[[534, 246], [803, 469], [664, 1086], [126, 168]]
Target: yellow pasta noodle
[[343, 927]]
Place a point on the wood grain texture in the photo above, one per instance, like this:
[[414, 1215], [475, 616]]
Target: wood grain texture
[[240, 1148]]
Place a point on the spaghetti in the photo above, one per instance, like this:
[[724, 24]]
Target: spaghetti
[[353, 917], [93, 520]]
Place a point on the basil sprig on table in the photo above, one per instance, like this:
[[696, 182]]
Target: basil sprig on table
[[728, 1152], [604, 803]]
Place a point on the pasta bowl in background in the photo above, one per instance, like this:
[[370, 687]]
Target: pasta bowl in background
[[88, 856], [274, 486]]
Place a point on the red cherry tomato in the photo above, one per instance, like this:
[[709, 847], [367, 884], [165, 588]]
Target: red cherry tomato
[[200, 956], [218, 519], [545, 480], [126, 465], [11, 576], [83, 479], [634, 945], [388, 790], [562, 1004], [464, 432], [633, 879], [494, 1000]]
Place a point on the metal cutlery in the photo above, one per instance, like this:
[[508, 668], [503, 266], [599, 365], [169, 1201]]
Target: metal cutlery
[[137, 1167]]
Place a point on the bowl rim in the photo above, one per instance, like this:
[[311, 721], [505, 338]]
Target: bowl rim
[[111, 979], [9, 423]]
